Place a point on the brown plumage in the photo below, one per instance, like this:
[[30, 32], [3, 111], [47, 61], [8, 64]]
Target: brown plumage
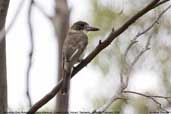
[[73, 47]]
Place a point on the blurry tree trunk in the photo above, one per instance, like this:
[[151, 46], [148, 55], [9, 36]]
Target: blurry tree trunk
[[61, 24], [3, 75]]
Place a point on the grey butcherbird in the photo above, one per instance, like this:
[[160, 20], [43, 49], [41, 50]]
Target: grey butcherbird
[[73, 47]]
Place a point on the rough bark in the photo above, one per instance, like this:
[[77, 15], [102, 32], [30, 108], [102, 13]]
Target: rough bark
[[3, 74]]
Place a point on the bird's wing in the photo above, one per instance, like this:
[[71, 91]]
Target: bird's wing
[[74, 46], [73, 54]]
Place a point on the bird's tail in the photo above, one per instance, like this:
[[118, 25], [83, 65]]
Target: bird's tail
[[66, 79]]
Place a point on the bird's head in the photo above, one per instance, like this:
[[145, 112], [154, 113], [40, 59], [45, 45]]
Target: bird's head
[[83, 26]]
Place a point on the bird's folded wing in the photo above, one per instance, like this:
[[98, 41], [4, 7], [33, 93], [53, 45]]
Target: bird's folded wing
[[73, 54]]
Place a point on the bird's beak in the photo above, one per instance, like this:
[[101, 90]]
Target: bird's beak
[[89, 28]]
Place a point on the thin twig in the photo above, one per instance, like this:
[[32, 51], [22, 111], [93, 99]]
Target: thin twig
[[124, 60], [115, 97], [136, 59], [124, 85], [30, 53], [150, 97], [112, 36], [134, 41], [129, 47], [160, 3], [154, 96], [142, 52], [152, 25], [108, 104]]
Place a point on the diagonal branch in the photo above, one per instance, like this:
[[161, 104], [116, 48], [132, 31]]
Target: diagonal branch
[[160, 3], [154, 23], [134, 41], [125, 84], [142, 51], [93, 54], [104, 107], [45, 99], [113, 35]]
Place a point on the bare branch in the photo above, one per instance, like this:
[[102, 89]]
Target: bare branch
[[30, 53], [135, 61], [134, 41], [161, 2], [129, 47], [45, 99], [109, 102], [124, 85], [113, 35], [154, 96], [142, 52], [150, 97], [154, 23], [106, 106], [96, 51]]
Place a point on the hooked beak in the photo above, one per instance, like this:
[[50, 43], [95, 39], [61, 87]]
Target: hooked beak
[[89, 28]]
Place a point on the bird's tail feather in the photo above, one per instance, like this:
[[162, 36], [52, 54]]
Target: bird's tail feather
[[66, 81]]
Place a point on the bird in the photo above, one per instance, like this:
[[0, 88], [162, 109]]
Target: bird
[[74, 45]]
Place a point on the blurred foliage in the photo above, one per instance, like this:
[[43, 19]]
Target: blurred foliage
[[117, 105], [140, 105], [111, 59], [105, 19], [97, 102]]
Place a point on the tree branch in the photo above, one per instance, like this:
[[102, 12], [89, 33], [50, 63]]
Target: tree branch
[[160, 3], [150, 97], [30, 27], [107, 105], [125, 84], [153, 24], [94, 53], [113, 35], [134, 41], [45, 99]]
